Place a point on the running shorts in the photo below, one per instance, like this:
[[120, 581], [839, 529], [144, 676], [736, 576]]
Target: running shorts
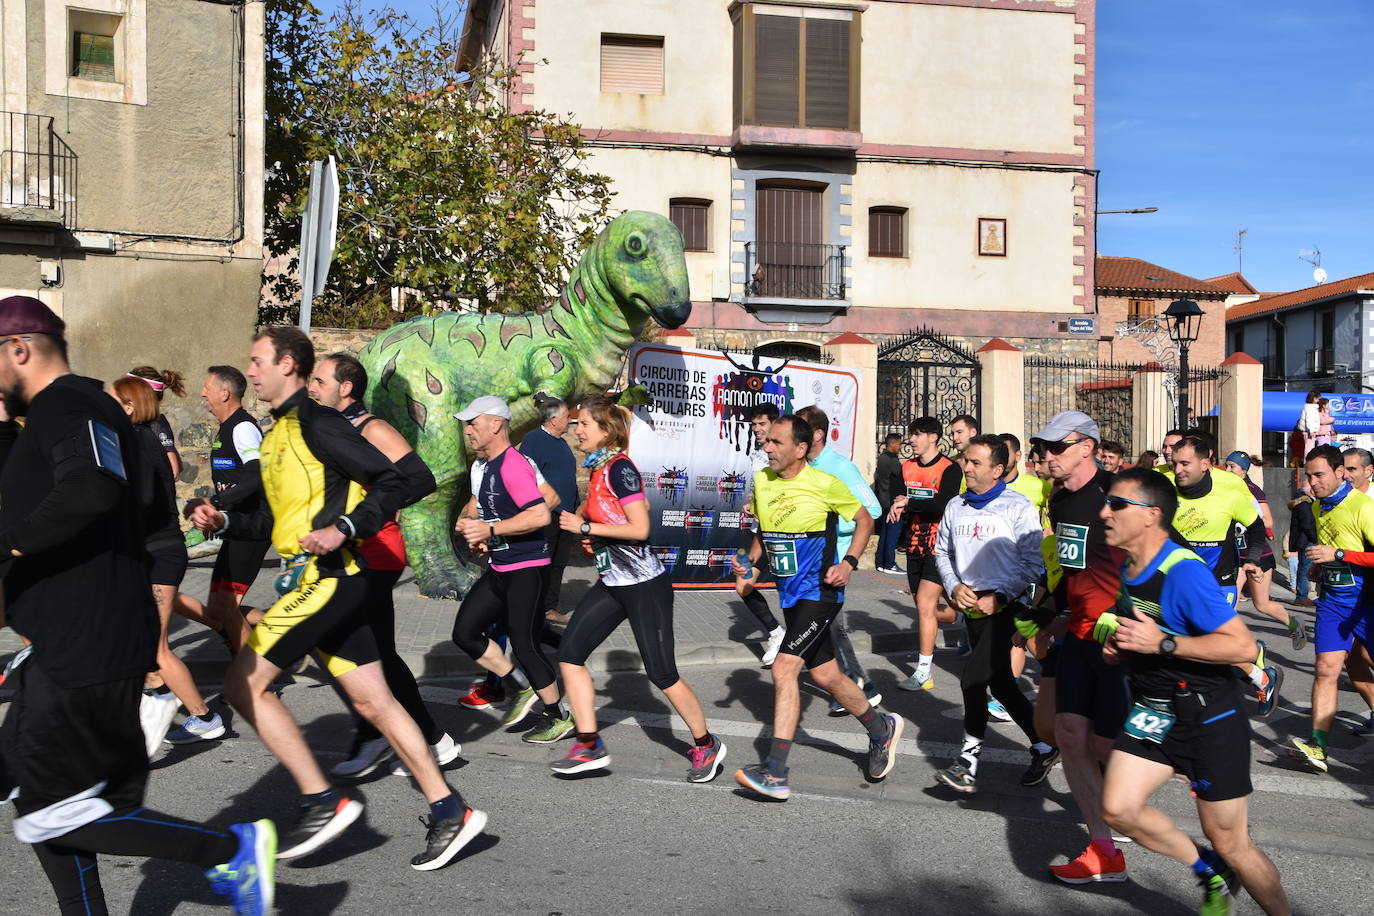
[[326, 614], [167, 564], [1266, 563], [1050, 663], [1210, 745], [1338, 627], [808, 631], [237, 565], [921, 569], [1087, 686]]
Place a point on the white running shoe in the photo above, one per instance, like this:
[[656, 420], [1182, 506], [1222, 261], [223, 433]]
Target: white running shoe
[[445, 750], [770, 651], [155, 715], [367, 756]]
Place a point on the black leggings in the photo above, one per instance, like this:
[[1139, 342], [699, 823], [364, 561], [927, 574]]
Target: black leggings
[[513, 597], [989, 668], [400, 680], [649, 608], [70, 860]]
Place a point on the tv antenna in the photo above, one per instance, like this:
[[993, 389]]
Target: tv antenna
[[1315, 260], [1239, 249]]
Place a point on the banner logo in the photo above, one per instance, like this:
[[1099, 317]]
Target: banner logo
[[731, 488], [734, 396], [667, 556], [672, 483]]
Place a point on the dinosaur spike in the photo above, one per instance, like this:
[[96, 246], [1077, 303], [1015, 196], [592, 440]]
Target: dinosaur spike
[[579, 292], [556, 359], [418, 412], [551, 325], [513, 326], [389, 371], [433, 384], [472, 334]]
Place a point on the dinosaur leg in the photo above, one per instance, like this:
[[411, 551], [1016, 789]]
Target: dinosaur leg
[[428, 530]]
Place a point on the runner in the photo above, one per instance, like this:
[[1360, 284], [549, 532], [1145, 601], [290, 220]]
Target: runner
[[544, 446], [1178, 637], [1345, 608], [631, 585], [797, 507], [1166, 449], [339, 381], [315, 466], [505, 519], [1359, 467], [961, 430], [760, 418], [1238, 463], [1090, 694], [77, 590], [162, 381], [988, 554], [824, 458], [931, 480]]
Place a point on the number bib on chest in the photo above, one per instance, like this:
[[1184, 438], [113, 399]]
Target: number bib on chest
[[602, 556], [289, 579], [782, 557], [1337, 575], [1149, 722], [1071, 545], [915, 492]]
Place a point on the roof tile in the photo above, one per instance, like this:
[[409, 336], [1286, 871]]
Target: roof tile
[[1274, 302], [1134, 275]]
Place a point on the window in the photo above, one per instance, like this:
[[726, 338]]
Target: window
[[632, 63], [693, 219], [797, 67], [887, 232], [1237, 341], [1140, 309], [96, 46], [96, 50]]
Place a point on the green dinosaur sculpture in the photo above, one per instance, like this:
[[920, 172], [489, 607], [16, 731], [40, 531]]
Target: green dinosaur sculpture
[[425, 370]]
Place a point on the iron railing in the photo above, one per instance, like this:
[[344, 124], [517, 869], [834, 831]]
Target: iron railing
[[37, 169], [794, 270]]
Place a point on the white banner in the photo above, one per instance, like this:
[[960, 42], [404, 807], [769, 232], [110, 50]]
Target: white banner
[[694, 448]]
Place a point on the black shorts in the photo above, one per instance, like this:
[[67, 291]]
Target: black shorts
[[327, 614], [167, 564], [808, 631], [60, 744], [921, 569], [1087, 686], [1212, 748], [1267, 563], [237, 565], [1050, 663]]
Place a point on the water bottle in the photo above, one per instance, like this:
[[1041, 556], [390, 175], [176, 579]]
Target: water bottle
[[742, 558], [193, 537]]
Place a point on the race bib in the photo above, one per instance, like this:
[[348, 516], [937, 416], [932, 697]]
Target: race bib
[[1337, 575], [1071, 545], [915, 492], [602, 556], [782, 557], [1148, 722], [289, 579]]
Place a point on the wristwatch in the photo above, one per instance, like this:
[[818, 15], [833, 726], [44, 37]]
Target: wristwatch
[[1167, 646], [1340, 555], [850, 559], [586, 529]]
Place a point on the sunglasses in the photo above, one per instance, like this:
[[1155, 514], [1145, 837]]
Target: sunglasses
[[1058, 448], [1117, 503]]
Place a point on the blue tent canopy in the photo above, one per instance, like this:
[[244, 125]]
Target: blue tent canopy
[[1353, 413]]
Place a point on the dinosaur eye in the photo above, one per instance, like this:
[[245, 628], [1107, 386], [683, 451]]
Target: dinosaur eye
[[636, 245]]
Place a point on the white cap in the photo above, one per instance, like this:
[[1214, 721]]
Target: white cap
[[488, 404]]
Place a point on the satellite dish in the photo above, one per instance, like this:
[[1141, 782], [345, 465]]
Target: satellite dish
[[1319, 275]]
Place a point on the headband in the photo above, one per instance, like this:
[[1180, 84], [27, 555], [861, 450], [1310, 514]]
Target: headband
[[152, 383]]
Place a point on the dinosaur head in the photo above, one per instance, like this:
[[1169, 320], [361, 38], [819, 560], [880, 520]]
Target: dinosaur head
[[644, 267]]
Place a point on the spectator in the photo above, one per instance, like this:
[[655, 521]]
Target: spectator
[[554, 459], [1148, 459], [1309, 424], [1302, 533], [887, 483], [1326, 425]]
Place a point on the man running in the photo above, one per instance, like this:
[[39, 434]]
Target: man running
[[1090, 694], [1166, 448], [760, 418], [72, 559], [988, 554], [1238, 463], [1178, 637], [340, 381], [1359, 468], [797, 507], [931, 480], [313, 473], [962, 429], [544, 445]]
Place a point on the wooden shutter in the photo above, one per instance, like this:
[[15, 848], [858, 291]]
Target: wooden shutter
[[827, 73], [791, 257], [93, 57], [1138, 309], [777, 73], [885, 232], [632, 64], [692, 219]]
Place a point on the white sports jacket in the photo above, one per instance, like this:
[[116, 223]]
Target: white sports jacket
[[996, 548]]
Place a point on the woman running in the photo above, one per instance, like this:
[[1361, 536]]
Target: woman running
[[632, 584], [162, 381]]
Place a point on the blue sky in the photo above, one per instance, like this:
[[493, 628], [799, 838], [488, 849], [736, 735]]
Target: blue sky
[[1228, 115]]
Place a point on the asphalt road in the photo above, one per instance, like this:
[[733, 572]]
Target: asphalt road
[[639, 839]]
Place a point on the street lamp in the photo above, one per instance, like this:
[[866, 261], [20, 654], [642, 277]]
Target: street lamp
[[1185, 323], [1131, 210]]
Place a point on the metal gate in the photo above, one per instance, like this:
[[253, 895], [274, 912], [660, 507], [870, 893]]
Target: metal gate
[[925, 374]]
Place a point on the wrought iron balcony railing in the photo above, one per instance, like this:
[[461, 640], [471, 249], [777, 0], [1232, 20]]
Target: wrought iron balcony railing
[[794, 270], [37, 169]]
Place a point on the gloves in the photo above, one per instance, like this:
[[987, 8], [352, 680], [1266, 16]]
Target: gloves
[[1027, 628], [1106, 625]]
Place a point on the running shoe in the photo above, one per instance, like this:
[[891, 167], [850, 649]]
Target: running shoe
[[870, 690], [582, 758], [318, 824], [1365, 730], [758, 778], [997, 711], [883, 754], [1040, 767], [549, 729], [1298, 633], [918, 681], [249, 878], [195, 728], [771, 649], [1314, 755], [706, 761], [1259, 653], [155, 715], [444, 751], [445, 839], [892, 570], [520, 707], [958, 778], [1092, 866], [1217, 898], [365, 756], [1268, 695], [482, 695]]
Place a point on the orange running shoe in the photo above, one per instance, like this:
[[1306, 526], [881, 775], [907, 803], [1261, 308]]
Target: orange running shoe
[[1092, 866]]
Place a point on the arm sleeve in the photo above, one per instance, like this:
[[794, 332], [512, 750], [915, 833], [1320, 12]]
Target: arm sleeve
[[1029, 534], [519, 478], [419, 478], [335, 442], [943, 563], [1255, 538]]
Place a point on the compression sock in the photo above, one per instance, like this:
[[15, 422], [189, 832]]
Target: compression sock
[[327, 797], [876, 723], [1202, 869], [1106, 847], [704, 741], [923, 664], [777, 757], [1041, 747], [1258, 677], [758, 606], [1319, 738], [446, 808], [557, 710], [515, 681], [1292, 624], [973, 749]]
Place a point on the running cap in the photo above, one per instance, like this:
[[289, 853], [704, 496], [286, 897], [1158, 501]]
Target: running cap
[[1239, 458], [489, 404], [1066, 424], [27, 315]]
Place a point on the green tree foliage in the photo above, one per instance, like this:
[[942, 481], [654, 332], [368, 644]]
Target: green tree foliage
[[443, 189]]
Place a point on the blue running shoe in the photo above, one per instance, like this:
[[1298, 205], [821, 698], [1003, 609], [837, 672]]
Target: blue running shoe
[[758, 778], [249, 879], [997, 711]]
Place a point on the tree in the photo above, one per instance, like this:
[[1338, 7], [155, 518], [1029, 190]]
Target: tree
[[444, 191]]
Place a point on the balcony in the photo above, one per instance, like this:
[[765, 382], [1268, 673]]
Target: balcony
[[37, 173], [795, 282]]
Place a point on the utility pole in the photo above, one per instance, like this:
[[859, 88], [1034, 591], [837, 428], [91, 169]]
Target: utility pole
[[1239, 249]]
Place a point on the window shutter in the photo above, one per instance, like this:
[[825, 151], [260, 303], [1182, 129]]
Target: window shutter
[[778, 70], [632, 64], [885, 232], [827, 73], [93, 57], [692, 219]]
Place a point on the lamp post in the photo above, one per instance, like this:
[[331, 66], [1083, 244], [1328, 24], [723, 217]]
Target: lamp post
[[1185, 322]]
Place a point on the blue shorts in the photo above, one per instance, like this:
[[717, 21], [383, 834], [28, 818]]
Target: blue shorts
[[1338, 626]]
